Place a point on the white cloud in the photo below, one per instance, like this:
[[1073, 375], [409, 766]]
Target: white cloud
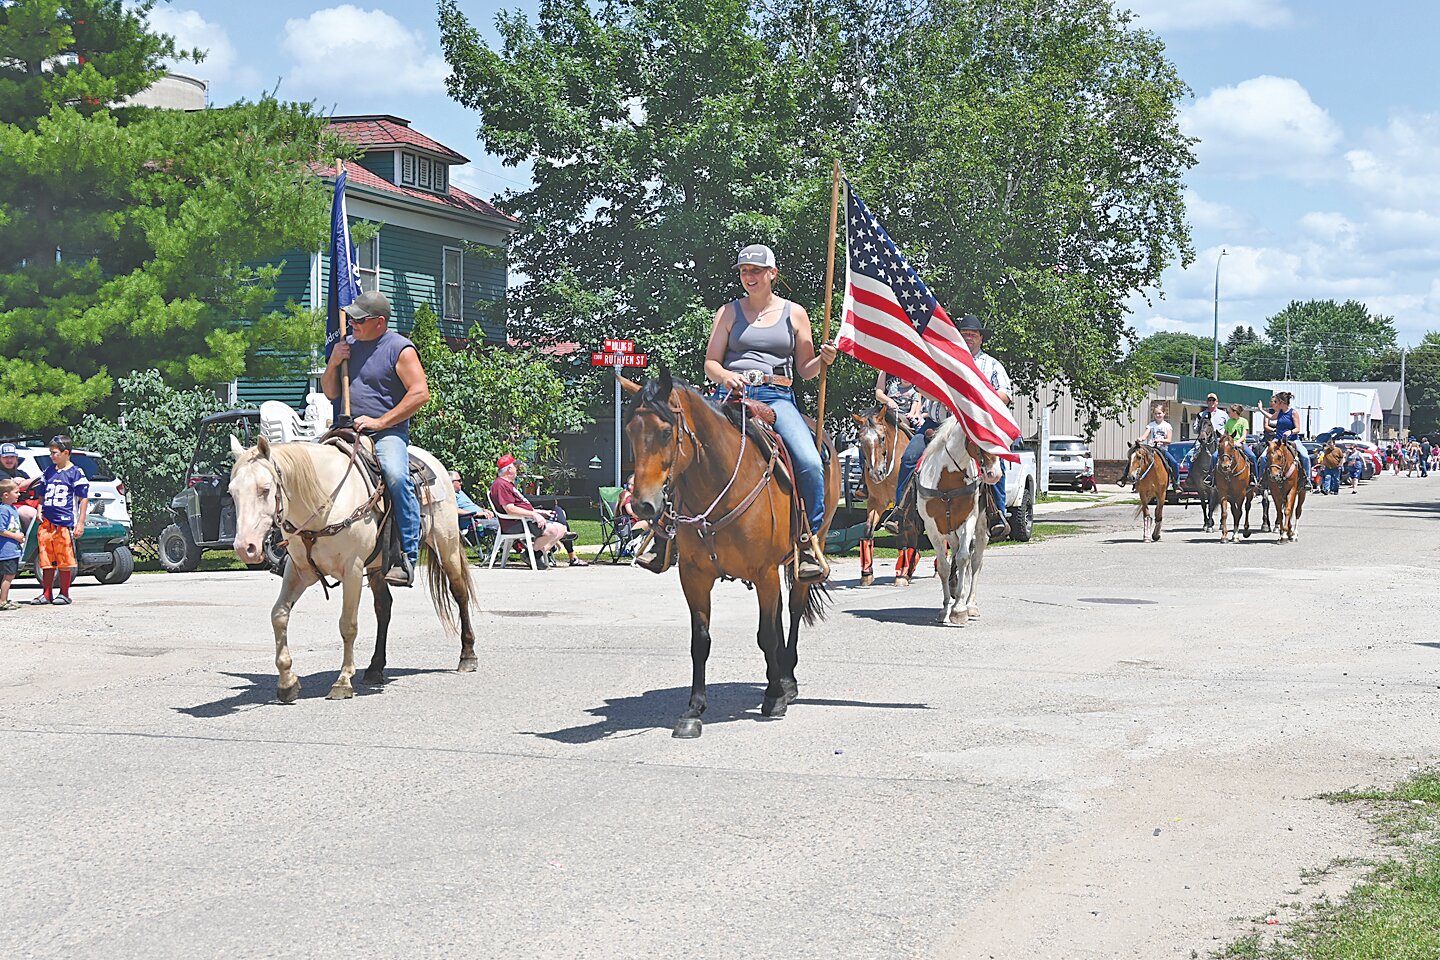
[[1400, 164], [1209, 14], [1329, 228], [192, 31], [1207, 215], [1262, 126], [361, 51]]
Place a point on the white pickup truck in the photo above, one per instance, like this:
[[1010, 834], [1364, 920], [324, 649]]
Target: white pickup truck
[[1021, 487]]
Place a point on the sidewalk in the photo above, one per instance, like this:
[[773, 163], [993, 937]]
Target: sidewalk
[[1082, 501]]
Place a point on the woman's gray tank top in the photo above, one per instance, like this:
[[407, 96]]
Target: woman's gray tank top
[[770, 349]]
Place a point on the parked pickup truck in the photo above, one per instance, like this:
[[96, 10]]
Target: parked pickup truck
[[1021, 487]]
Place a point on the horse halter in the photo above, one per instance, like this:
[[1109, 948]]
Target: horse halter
[[890, 460]]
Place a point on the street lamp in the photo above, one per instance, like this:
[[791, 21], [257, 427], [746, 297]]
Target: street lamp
[[1215, 340]]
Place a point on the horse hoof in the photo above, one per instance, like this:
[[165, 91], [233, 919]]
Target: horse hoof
[[958, 618], [289, 694], [375, 677], [774, 707], [973, 612], [467, 665], [687, 729], [340, 692], [792, 690], [866, 579], [902, 581]]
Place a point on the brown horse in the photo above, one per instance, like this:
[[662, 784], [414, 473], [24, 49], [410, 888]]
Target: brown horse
[[1287, 487], [1151, 475], [1232, 483], [690, 458], [883, 437]]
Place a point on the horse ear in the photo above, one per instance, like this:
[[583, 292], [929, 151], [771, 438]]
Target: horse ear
[[667, 383], [630, 387], [859, 419], [263, 446], [237, 450]]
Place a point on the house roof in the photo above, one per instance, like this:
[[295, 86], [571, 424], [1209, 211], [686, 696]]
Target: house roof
[[1389, 390], [383, 130], [454, 199]]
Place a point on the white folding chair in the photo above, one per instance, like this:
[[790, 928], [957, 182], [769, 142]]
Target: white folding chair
[[279, 422], [503, 540]]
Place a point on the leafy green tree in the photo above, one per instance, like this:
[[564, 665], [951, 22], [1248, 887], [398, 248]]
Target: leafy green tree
[[1422, 381], [1327, 340], [125, 231], [151, 449], [1026, 152], [1239, 339], [1179, 353], [486, 401]]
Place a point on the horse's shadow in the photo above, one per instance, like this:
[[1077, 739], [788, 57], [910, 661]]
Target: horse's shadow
[[258, 689], [912, 616], [658, 709]]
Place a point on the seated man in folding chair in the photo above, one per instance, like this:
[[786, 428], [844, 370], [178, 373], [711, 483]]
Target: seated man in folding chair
[[476, 523], [514, 508]]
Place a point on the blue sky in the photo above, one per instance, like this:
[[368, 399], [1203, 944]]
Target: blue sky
[[1319, 122]]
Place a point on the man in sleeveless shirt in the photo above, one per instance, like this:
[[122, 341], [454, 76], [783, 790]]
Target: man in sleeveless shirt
[[387, 386], [973, 332]]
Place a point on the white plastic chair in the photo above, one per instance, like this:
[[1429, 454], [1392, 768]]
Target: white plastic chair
[[504, 540], [319, 414], [280, 423]]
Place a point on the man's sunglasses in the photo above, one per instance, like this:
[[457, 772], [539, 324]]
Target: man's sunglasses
[[366, 319]]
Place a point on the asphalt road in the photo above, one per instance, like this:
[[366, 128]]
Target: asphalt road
[[1117, 760]]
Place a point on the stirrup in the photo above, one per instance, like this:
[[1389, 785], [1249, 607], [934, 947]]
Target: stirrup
[[656, 554], [811, 566], [402, 574]]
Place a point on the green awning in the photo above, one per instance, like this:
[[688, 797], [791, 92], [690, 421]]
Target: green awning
[[1194, 389]]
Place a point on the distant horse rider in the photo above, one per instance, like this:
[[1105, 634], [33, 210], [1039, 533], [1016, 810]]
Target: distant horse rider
[[387, 387], [1158, 434], [1212, 412], [1281, 419], [973, 332]]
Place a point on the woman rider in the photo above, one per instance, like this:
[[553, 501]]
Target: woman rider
[[1283, 423], [768, 337]]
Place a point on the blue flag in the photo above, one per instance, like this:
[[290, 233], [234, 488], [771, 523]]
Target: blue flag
[[344, 270]]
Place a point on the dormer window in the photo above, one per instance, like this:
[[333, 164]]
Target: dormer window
[[424, 173]]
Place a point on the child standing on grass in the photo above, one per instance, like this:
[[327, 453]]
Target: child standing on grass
[[11, 537], [64, 502]]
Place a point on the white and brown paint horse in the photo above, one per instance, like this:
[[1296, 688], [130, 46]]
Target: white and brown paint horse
[[949, 483], [313, 487]]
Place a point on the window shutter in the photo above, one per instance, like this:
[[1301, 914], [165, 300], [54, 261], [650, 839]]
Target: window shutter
[[425, 172], [407, 168], [442, 177]]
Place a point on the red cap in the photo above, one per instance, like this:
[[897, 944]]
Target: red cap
[[504, 462]]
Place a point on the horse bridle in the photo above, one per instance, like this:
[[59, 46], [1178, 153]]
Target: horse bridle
[[890, 461]]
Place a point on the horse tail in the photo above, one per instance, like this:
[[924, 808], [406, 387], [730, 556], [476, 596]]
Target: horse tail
[[807, 600], [447, 605]]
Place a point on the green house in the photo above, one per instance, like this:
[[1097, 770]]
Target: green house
[[437, 244]]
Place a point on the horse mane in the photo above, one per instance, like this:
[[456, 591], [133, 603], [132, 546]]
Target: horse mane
[[297, 466], [651, 398]]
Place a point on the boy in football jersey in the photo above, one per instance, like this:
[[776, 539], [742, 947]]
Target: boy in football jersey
[[64, 502]]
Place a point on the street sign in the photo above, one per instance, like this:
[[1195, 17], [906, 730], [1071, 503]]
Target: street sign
[[602, 359], [619, 346]]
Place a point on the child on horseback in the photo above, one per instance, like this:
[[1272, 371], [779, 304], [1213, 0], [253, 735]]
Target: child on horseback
[[1158, 434], [1283, 424], [1237, 428]]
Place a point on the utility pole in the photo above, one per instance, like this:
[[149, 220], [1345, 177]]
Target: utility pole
[[1403, 351], [1287, 346], [1194, 359], [1215, 341]]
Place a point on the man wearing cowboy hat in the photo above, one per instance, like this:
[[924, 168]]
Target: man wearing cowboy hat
[[974, 334]]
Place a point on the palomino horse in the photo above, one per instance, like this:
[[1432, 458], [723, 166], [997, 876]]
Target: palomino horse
[[1287, 487], [732, 519], [882, 439], [1232, 486], [315, 493], [1202, 465], [949, 490], [1151, 475]]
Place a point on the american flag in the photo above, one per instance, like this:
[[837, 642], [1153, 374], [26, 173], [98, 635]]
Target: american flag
[[894, 323]]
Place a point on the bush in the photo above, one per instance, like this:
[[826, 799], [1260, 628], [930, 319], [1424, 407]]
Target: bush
[[151, 452]]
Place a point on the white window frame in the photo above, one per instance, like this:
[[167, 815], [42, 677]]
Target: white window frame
[[369, 278], [458, 282]]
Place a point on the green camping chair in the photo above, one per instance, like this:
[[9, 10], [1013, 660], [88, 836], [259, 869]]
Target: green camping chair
[[609, 526]]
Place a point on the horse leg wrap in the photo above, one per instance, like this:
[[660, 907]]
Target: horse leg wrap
[[867, 557]]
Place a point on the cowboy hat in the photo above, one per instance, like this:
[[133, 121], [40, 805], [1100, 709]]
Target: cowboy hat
[[972, 322]]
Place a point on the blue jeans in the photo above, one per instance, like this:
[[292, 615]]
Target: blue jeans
[[911, 457], [1330, 480], [392, 448], [800, 442], [998, 490], [1298, 448]]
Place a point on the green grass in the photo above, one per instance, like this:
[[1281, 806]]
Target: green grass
[[1394, 912]]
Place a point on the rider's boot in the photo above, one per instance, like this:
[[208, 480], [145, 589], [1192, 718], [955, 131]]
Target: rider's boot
[[812, 566], [657, 554], [402, 574]]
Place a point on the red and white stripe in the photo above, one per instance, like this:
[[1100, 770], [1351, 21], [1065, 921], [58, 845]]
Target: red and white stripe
[[876, 331]]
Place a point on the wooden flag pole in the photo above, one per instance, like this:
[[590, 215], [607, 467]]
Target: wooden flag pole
[[829, 298], [344, 318]]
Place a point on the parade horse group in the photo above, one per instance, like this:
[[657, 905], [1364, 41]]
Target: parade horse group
[[1232, 491]]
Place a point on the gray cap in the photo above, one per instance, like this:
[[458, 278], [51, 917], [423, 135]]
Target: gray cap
[[756, 255], [370, 304]]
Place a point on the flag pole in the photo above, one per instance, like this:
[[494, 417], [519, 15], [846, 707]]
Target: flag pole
[[344, 325], [829, 298]]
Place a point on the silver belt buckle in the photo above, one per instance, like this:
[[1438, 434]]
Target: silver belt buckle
[[753, 378]]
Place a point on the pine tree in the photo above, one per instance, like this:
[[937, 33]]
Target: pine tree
[[125, 232]]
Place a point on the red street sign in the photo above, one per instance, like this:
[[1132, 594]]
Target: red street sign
[[619, 346], [598, 359]]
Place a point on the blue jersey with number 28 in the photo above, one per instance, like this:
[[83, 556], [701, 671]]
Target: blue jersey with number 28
[[61, 489]]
